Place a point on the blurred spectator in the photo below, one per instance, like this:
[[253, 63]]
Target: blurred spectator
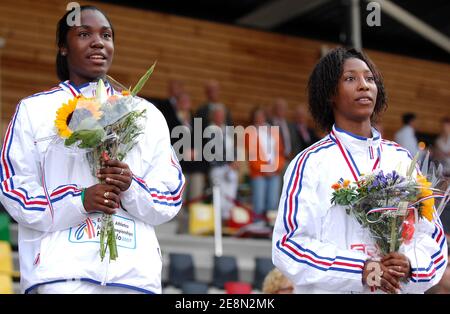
[[264, 151], [268, 110], [193, 171], [223, 173], [212, 92], [442, 146], [406, 136], [303, 135], [442, 155], [276, 283], [168, 106], [287, 132]]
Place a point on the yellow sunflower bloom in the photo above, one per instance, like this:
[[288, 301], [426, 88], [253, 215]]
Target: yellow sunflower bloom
[[427, 206], [65, 112], [63, 115], [427, 209]]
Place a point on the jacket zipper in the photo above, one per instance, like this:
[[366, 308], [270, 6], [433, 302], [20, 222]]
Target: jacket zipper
[[370, 153], [105, 275]]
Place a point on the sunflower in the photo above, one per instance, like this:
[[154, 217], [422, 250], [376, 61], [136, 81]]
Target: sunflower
[[427, 206], [63, 116], [65, 112]]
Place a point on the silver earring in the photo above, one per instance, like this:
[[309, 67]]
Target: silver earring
[[63, 53]]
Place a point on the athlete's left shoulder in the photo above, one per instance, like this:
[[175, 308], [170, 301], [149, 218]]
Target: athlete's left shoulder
[[393, 147], [394, 152], [149, 106]]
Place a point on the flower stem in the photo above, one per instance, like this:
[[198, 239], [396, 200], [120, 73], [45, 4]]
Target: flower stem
[[108, 238], [113, 254], [107, 231], [103, 234], [393, 234]]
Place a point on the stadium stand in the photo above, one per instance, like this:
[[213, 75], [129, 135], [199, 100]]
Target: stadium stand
[[225, 269], [252, 66], [263, 266], [181, 269]]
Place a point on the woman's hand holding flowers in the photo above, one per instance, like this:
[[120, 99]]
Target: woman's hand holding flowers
[[397, 264], [101, 197], [116, 173], [379, 276]]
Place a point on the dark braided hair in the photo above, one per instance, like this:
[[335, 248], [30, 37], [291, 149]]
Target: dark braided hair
[[323, 85], [62, 69]]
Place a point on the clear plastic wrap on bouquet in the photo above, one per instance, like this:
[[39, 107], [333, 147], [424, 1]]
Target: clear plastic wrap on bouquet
[[111, 126], [391, 205], [91, 131], [384, 211]]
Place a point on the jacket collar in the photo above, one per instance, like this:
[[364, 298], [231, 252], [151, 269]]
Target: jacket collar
[[362, 155], [87, 89], [356, 143]]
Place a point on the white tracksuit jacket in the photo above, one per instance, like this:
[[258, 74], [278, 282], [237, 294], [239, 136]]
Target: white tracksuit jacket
[[318, 246], [65, 245]]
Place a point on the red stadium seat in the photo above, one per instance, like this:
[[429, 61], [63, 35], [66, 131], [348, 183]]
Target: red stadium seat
[[237, 287]]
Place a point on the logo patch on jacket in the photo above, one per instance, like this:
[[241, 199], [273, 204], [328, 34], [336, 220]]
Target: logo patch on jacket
[[89, 231]]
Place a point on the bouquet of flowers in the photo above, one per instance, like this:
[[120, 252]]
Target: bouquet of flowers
[[389, 204], [106, 127]]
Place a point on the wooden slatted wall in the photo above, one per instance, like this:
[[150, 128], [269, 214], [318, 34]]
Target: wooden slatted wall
[[253, 67]]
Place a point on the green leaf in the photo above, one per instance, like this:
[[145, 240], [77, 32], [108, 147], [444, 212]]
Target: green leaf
[[88, 138], [143, 80], [412, 165]]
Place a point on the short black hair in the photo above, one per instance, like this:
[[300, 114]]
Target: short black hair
[[323, 85], [62, 28], [408, 117]]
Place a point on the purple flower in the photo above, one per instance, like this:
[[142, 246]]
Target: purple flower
[[374, 184], [396, 178], [381, 179]]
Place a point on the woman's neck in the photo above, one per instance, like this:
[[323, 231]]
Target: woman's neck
[[359, 128]]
